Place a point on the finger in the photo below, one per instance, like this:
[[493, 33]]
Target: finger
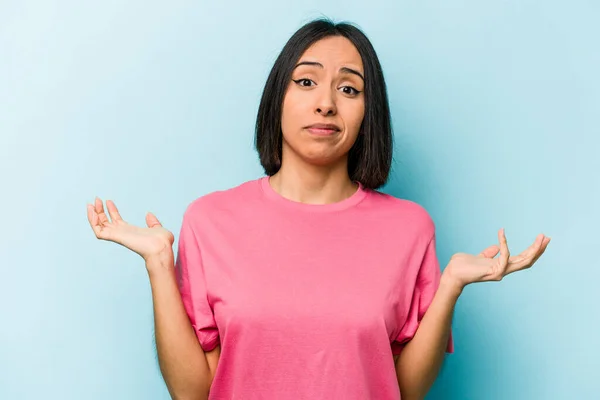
[[504, 253], [99, 208], [535, 250], [529, 253], [92, 216], [152, 221], [113, 211], [526, 260], [532, 250], [93, 219], [543, 247], [490, 252]]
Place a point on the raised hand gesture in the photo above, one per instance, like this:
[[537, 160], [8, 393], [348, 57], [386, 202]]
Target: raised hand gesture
[[151, 242], [464, 269]]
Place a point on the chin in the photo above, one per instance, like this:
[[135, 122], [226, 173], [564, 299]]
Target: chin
[[320, 158]]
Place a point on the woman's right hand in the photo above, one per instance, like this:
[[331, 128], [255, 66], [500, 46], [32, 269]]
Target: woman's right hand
[[153, 242]]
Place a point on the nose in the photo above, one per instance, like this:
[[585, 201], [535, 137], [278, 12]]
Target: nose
[[326, 103]]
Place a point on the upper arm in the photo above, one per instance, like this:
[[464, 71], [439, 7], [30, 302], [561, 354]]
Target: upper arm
[[213, 360]]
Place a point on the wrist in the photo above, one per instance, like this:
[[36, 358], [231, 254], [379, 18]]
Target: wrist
[[450, 285], [160, 264]]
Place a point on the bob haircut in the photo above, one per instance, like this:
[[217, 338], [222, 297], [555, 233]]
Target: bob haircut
[[370, 158]]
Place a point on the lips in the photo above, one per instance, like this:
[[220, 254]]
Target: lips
[[323, 129], [331, 127]]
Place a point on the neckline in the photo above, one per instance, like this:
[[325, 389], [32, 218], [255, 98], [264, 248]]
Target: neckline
[[348, 202]]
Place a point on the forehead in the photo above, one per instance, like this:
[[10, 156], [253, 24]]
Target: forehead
[[333, 51]]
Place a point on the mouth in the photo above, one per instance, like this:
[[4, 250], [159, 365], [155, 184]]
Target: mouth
[[323, 129]]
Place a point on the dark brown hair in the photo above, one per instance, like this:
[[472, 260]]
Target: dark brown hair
[[370, 158]]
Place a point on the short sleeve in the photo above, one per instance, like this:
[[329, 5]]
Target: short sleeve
[[425, 287], [192, 286]]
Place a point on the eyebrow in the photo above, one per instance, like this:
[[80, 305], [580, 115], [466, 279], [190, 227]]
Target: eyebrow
[[343, 69]]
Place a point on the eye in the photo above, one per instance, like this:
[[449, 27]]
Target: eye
[[350, 90], [303, 80]]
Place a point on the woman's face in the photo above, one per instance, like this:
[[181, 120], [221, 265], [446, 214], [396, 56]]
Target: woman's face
[[326, 88]]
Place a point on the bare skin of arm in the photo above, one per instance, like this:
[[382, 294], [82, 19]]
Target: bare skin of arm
[[188, 371]]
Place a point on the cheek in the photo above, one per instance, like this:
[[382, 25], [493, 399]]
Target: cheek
[[355, 116], [286, 112], [292, 112]]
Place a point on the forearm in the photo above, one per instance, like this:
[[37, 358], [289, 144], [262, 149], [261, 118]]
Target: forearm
[[421, 358], [182, 361]]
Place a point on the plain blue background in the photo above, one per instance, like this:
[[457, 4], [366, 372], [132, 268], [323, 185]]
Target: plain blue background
[[496, 111]]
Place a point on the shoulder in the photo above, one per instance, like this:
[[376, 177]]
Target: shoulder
[[222, 199], [403, 212]]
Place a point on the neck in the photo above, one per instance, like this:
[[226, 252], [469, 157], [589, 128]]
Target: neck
[[313, 184]]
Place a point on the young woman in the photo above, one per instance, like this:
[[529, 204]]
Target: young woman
[[308, 283]]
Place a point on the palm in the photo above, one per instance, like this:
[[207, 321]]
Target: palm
[[146, 242], [473, 268], [467, 268]]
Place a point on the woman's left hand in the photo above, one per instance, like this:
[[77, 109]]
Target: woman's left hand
[[464, 269]]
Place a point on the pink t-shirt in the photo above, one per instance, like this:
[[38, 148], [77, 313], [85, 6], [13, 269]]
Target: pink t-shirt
[[307, 301]]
